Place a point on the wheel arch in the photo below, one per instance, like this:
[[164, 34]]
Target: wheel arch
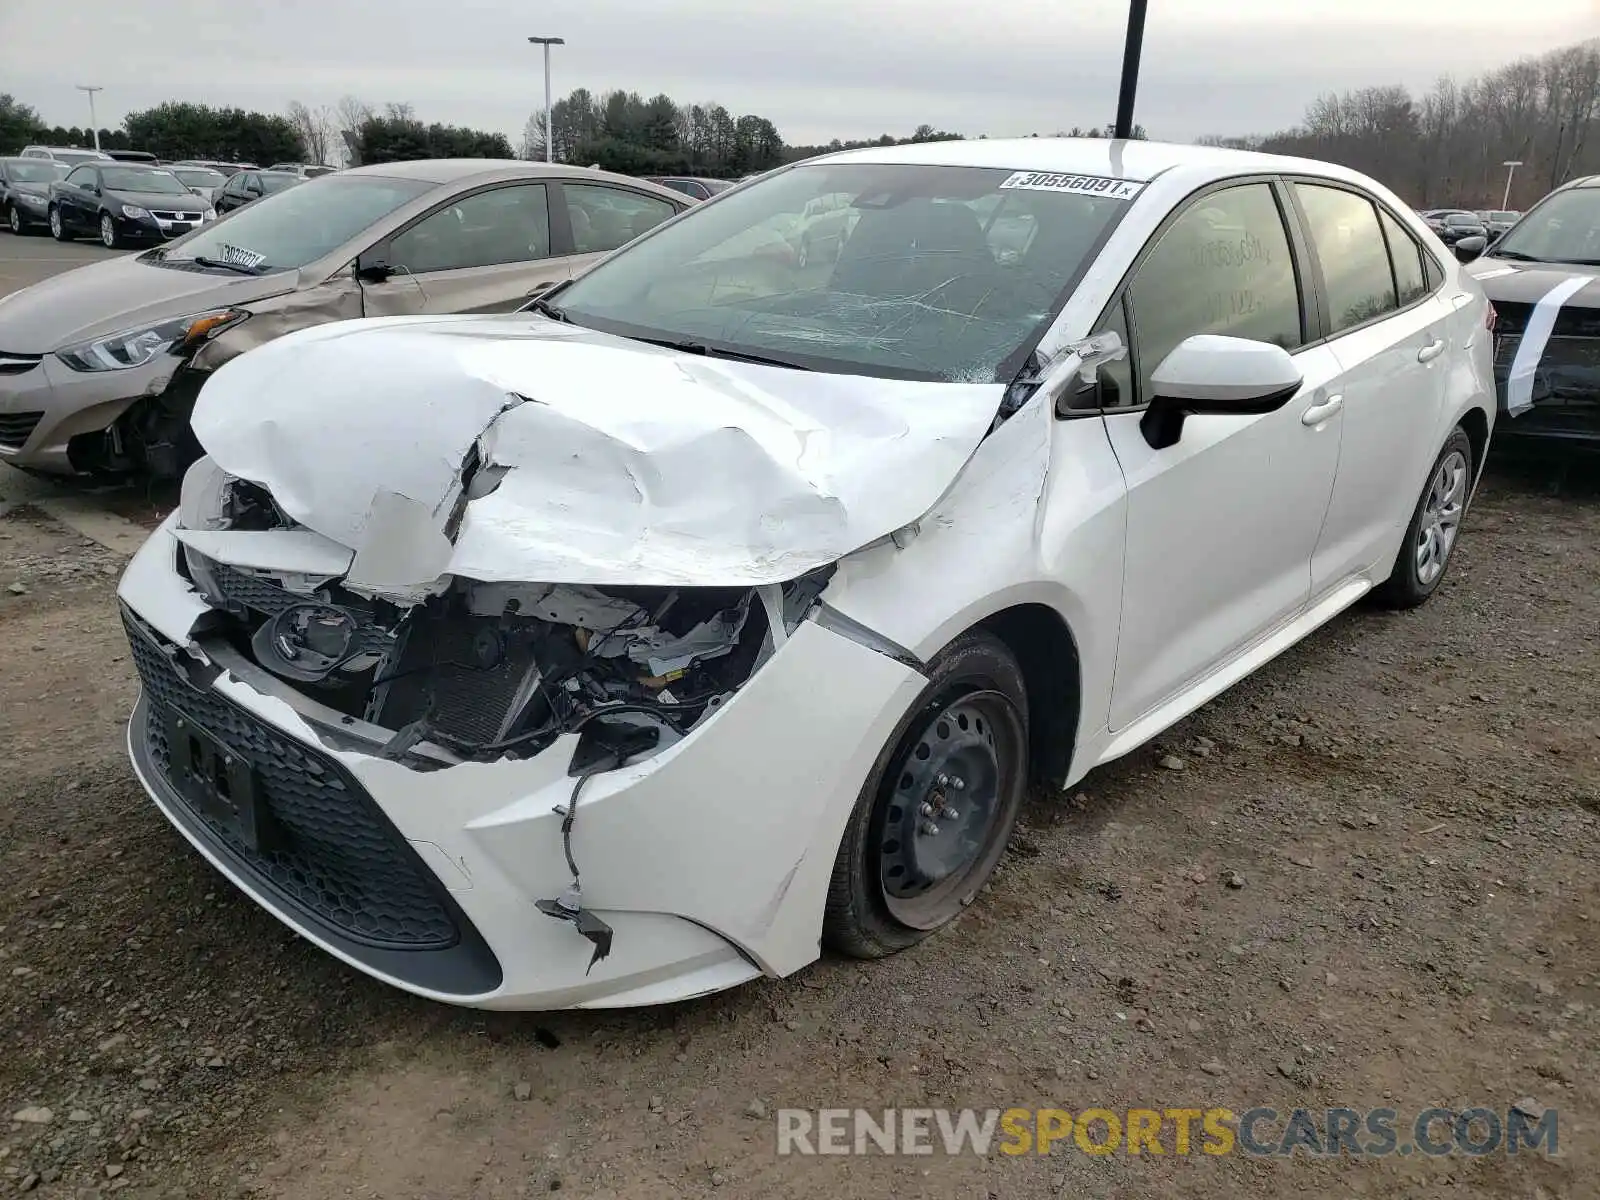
[[1042, 642], [1475, 423]]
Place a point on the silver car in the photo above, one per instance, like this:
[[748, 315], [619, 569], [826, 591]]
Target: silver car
[[100, 366]]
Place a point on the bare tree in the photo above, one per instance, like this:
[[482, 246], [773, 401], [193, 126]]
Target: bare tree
[[1451, 146], [315, 127], [350, 115], [400, 110]]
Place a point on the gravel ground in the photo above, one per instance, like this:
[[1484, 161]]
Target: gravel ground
[[1365, 877]]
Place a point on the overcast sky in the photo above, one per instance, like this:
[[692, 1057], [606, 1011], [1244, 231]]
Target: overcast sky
[[818, 68]]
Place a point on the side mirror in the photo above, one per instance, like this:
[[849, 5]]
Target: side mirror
[[1212, 374], [373, 270], [1469, 248]]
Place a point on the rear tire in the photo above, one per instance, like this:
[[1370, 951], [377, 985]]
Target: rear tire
[[938, 808], [1430, 539]]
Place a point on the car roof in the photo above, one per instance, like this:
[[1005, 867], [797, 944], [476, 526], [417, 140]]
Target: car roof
[[1137, 161], [457, 172]]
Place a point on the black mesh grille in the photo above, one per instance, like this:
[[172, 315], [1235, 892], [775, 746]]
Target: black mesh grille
[[336, 856], [15, 428], [252, 591]]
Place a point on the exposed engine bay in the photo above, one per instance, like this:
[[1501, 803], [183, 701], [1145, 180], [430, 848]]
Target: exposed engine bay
[[498, 670]]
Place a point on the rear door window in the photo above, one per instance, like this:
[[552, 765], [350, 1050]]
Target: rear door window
[[604, 218], [1410, 280], [1348, 241]]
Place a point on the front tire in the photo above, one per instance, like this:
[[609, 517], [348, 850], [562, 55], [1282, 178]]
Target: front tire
[[13, 220], [937, 810], [58, 228], [1425, 553], [108, 232]]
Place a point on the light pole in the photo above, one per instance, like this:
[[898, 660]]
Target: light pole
[[1511, 169], [94, 126], [1130, 69], [547, 42]]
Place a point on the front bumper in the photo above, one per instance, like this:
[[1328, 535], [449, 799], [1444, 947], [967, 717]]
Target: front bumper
[[35, 213], [44, 407], [710, 860]]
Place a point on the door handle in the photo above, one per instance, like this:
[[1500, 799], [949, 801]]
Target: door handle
[[1431, 351], [1318, 413]]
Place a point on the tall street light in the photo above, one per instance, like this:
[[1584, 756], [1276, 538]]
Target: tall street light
[[547, 42], [1130, 69], [1511, 169], [94, 126]]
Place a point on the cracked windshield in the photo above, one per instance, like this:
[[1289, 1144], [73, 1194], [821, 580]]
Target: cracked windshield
[[936, 273]]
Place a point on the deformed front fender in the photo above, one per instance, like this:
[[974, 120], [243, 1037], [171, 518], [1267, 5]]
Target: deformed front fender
[[337, 298]]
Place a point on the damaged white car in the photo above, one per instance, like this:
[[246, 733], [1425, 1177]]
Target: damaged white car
[[723, 605]]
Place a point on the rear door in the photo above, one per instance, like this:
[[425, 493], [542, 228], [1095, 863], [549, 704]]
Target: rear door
[[484, 252], [1391, 334], [600, 217]]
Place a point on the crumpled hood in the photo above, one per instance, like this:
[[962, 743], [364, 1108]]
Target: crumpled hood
[[117, 294], [610, 461]]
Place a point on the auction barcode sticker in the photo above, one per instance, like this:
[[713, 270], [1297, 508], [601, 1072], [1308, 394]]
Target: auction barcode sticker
[[1087, 185]]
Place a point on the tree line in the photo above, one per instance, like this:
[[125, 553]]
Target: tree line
[[624, 131], [1449, 147]]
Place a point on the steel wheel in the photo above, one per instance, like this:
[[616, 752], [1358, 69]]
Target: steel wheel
[[1441, 517], [108, 232], [942, 807]]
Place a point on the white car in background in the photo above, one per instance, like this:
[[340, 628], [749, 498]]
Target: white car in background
[[720, 608]]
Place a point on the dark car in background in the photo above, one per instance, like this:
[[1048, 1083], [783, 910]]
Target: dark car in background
[[122, 203], [1453, 224], [246, 186], [25, 191], [1543, 278], [134, 156], [692, 185]]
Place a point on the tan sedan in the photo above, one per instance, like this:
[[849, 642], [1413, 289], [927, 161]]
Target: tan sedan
[[100, 366]]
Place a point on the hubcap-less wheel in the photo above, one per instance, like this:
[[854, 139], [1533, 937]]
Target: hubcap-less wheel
[[15, 219], [1441, 517], [108, 232], [943, 805], [55, 223]]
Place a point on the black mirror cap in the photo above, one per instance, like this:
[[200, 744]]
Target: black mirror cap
[[373, 270], [1162, 423], [1470, 248]]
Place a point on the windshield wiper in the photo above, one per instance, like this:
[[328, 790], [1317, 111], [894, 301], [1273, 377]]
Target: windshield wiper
[[203, 261], [545, 309], [690, 346], [1515, 255]]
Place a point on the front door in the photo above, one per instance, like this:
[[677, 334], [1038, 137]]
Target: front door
[[483, 253], [1220, 526]]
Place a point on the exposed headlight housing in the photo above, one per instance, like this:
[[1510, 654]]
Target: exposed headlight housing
[[136, 347], [134, 213]]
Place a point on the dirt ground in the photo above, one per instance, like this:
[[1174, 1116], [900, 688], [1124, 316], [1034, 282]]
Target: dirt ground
[[1411, 804]]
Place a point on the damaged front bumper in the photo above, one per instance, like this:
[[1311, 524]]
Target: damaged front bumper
[[708, 858]]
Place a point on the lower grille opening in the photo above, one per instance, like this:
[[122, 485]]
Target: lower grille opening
[[314, 840], [17, 428]]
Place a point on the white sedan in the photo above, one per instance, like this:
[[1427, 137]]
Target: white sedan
[[719, 607]]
